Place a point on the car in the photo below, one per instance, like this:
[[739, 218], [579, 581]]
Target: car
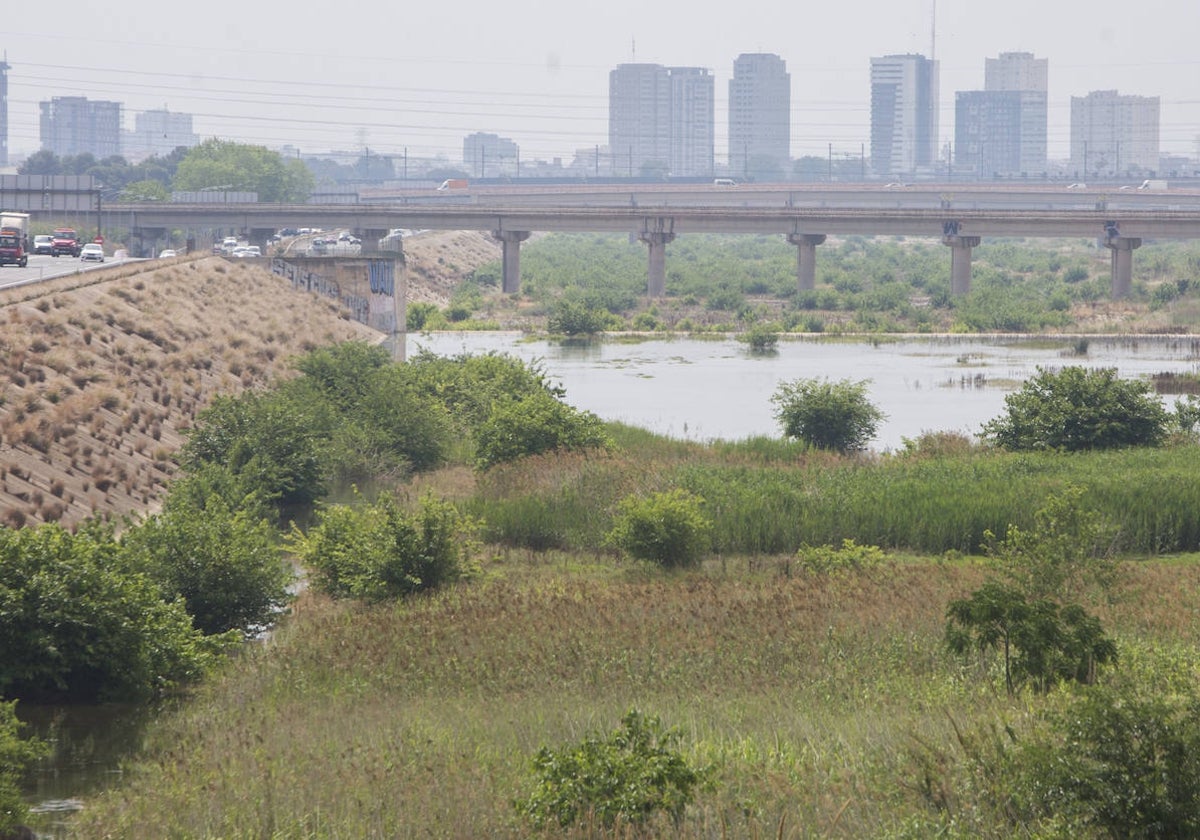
[[1077, 186], [92, 252], [166, 253], [43, 243], [251, 251]]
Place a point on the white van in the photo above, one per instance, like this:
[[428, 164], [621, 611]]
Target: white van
[[724, 182]]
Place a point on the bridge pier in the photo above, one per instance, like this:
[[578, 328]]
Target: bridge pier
[[806, 259], [510, 243], [1122, 248], [657, 240], [960, 257]]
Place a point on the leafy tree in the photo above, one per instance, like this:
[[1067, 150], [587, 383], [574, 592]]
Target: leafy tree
[[76, 624], [244, 167], [223, 562], [41, 162], [533, 424], [1078, 409], [630, 775], [665, 528], [380, 551], [146, 190], [343, 373], [17, 755], [572, 317], [827, 415]]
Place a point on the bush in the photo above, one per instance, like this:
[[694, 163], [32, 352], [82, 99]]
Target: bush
[[377, 552], [534, 424], [17, 755], [80, 626], [570, 317], [1076, 409], [630, 775], [665, 528], [850, 555], [761, 338], [827, 415]]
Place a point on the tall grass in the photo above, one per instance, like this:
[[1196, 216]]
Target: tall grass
[[808, 694], [771, 498]]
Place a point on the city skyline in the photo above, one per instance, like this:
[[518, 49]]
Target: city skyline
[[283, 80]]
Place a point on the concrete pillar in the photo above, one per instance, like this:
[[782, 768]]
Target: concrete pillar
[[510, 242], [960, 261], [656, 273], [806, 261], [1122, 248]]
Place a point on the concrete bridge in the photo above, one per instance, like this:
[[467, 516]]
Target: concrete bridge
[[511, 220]]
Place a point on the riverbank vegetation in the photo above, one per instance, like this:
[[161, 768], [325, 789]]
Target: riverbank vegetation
[[586, 283], [783, 612]]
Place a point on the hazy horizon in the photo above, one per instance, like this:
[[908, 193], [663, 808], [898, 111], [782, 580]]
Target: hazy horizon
[[419, 80]]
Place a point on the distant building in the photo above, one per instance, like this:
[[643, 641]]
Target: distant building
[[74, 125], [4, 68], [904, 114], [760, 113], [158, 133], [639, 118], [1114, 135], [490, 156], [1016, 71], [692, 121], [660, 121], [1001, 131]]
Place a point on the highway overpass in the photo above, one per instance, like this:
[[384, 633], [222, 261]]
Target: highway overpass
[[959, 215]]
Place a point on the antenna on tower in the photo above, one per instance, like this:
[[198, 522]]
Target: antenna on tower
[[933, 31], [633, 49]]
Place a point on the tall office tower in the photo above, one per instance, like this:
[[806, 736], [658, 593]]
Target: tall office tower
[[1016, 71], [4, 68], [1114, 135], [760, 114], [904, 114], [639, 118], [490, 155], [72, 125], [692, 94], [158, 132], [1000, 131]]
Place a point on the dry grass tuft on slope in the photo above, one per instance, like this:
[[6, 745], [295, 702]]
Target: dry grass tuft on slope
[[101, 372]]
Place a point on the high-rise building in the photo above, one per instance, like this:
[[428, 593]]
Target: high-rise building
[[639, 118], [760, 114], [158, 132], [904, 114], [660, 120], [4, 68], [489, 155], [1016, 71], [73, 125], [1000, 131], [692, 121], [1114, 135]]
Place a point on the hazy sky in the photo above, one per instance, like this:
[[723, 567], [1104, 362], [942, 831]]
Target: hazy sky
[[418, 76]]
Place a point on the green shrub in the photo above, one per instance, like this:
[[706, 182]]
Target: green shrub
[[850, 555], [17, 755], [629, 776], [827, 415], [533, 424], [572, 317], [380, 551], [761, 338], [665, 528]]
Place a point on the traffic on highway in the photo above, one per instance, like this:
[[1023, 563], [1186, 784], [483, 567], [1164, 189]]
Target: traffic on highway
[[44, 267]]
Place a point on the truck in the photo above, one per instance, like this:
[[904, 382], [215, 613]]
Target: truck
[[65, 241], [453, 184], [14, 239], [1153, 184]]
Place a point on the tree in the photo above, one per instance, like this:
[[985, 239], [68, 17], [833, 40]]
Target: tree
[[665, 528], [244, 167], [827, 415], [573, 317], [533, 424], [1079, 409]]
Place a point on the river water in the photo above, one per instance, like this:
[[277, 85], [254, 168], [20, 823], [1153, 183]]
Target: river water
[[708, 389]]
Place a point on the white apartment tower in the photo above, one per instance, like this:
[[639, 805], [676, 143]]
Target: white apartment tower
[[1000, 131], [760, 113], [904, 114], [660, 120], [1016, 71], [692, 121], [1114, 135]]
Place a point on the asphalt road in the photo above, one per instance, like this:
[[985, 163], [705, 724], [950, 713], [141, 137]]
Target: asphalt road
[[42, 267]]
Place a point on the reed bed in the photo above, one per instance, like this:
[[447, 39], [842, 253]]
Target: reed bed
[[810, 696]]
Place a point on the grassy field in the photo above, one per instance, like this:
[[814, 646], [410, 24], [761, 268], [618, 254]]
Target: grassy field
[[826, 704]]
